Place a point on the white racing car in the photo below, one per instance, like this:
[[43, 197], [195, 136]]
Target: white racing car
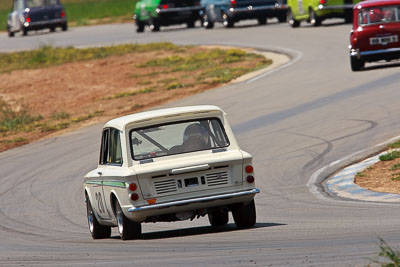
[[169, 165]]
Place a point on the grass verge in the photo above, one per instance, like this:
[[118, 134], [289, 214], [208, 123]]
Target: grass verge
[[388, 256], [101, 83]]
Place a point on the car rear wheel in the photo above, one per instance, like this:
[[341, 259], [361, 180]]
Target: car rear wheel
[[218, 218], [127, 229], [244, 215], [139, 26], [314, 19], [23, 31], [64, 27], [291, 20], [282, 18], [207, 23], [356, 64], [10, 33], [52, 29], [191, 24], [227, 21], [262, 20], [97, 230]]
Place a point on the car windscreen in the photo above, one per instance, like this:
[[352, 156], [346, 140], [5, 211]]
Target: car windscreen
[[382, 14], [39, 3], [176, 138]]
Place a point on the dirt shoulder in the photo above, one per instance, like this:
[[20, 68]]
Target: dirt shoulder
[[74, 95], [383, 176]]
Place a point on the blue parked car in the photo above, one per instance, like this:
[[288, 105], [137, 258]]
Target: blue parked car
[[30, 15], [228, 12]]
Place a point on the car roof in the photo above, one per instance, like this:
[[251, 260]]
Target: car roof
[[372, 3], [163, 114]]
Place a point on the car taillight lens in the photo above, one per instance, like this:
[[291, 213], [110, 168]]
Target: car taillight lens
[[28, 19], [353, 40], [249, 169], [250, 179], [134, 196], [132, 187], [233, 2], [62, 14], [165, 6], [322, 2]]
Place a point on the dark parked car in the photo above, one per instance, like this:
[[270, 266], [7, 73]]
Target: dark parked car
[[30, 15], [157, 13], [375, 33], [231, 11]]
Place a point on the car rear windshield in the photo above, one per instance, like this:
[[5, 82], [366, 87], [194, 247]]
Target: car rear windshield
[[177, 138], [38, 3], [382, 14]]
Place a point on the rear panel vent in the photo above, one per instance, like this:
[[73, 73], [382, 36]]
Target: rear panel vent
[[219, 178], [165, 186]]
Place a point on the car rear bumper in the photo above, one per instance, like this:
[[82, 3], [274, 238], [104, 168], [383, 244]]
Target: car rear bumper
[[257, 9], [373, 55], [44, 24], [337, 7], [177, 203], [140, 214], [178, 10]]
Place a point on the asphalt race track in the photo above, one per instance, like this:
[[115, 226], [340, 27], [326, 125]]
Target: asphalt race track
[[295, 121]]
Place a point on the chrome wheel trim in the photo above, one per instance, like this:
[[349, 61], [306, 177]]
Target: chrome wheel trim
[[90, 219]]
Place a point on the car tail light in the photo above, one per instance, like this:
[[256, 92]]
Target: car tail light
[[250, 179], [353, 40], [134, 196], [233, 3], [165, 6], [249, 169], [62, 14], [322, 2], [28, 19], [132, 187]]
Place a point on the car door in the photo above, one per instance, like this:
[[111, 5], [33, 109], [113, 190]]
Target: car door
[[110, 168]]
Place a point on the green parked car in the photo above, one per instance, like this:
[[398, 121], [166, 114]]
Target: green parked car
[[157, 13], [315, 11]]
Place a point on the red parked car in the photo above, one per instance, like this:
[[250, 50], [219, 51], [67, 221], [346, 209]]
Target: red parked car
[[375, 33]]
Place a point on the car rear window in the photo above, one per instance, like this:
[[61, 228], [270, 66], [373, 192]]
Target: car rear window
[[382, 14], [176, 138], [38, 3]]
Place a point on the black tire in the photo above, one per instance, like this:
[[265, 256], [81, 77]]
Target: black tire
[[356, 64], [314, 19], [282, 18], [227, 21], [207, 23], [97, 230], [191, 24], [155, 26], [291, 20], [127, 229], [244, 215], [262, 20], [218, 218], [52, 29], [10, 33], [64, 27], [139, 26], [23, 31]]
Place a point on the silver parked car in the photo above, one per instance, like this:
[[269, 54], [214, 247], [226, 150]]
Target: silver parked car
[[35, 15]]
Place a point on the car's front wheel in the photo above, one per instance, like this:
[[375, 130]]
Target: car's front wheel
[[356, 64], [97, 230], [23, 31], [127, 229], [218, 218], [244, 215], [291, 20]]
